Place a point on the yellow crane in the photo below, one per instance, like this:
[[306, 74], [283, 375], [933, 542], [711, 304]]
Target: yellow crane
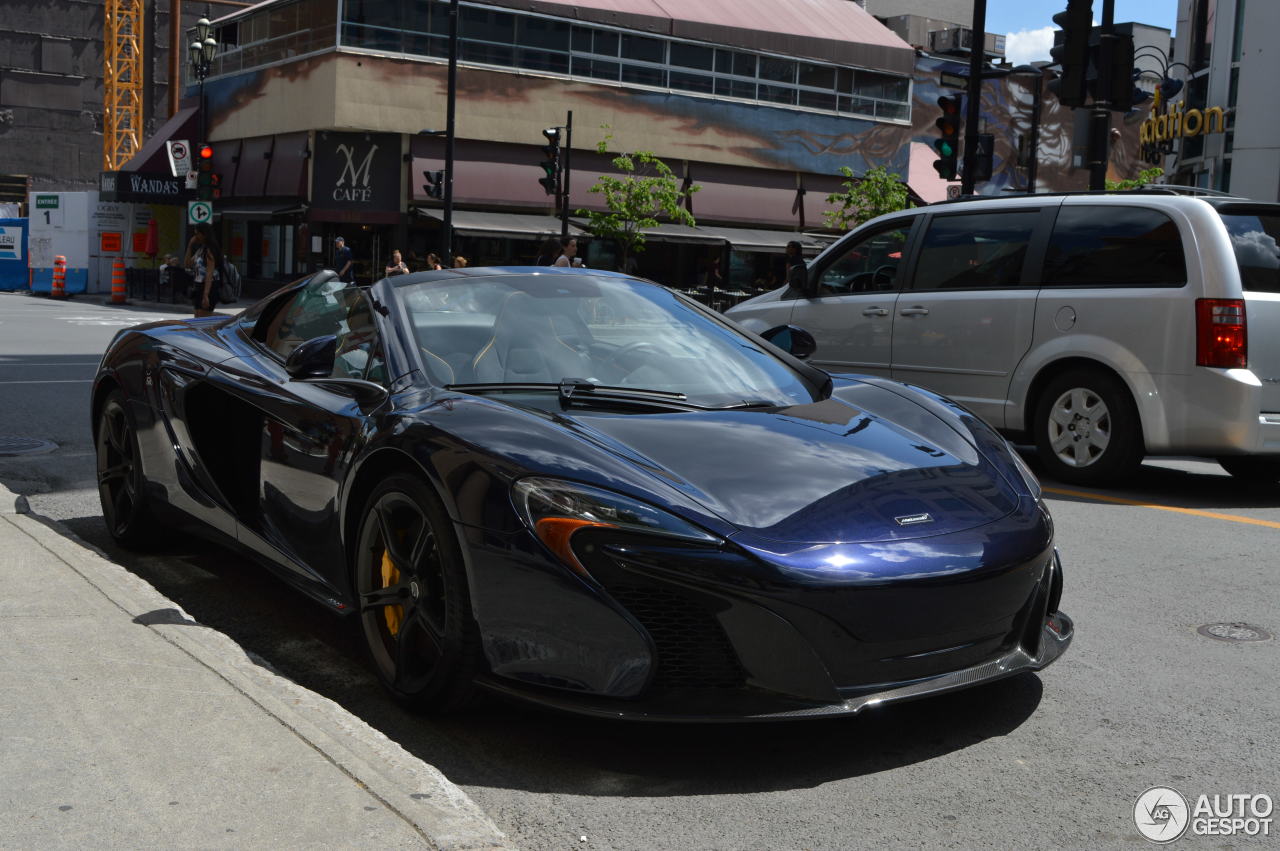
[[122, 81]]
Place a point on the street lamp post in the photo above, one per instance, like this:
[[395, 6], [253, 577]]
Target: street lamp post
[[200, 59]]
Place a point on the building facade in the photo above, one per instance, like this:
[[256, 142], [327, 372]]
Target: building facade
[[1225, 131]]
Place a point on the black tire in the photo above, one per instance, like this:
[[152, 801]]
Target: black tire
[[1087, 429], [411, 588], [121, 485], [1257, 470]]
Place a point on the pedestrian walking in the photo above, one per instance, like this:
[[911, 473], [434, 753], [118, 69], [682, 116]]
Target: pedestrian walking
[[397, 265], [459, 262], [433, 262], [568, 253], [204, 257], [343, 261]]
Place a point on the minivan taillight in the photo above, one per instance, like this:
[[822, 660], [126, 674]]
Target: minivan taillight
[[1221, 338]]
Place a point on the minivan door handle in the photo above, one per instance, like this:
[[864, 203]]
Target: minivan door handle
[[875, 311], [914, 311]]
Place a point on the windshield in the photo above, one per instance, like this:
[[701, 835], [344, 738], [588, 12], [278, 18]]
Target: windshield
[[539, 328], [1253, 236]]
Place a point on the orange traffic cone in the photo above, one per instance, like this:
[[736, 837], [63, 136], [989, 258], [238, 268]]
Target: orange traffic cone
[[117, 282], [59, 287]]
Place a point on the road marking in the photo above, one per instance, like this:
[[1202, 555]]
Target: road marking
[[1234, 518], [53, 381]]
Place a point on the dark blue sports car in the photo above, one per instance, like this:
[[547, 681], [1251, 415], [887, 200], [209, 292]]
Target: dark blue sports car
[[588, 491]]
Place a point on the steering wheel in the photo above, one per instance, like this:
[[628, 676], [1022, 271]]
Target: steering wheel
[[887, 272], [624, 351]]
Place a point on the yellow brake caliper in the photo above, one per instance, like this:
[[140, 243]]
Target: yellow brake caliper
[[390, 576]]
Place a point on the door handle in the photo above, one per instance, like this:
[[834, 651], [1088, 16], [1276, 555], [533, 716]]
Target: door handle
[[875, 311], [914, 311]]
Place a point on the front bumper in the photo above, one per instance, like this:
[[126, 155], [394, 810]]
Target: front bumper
[[1056, 635]]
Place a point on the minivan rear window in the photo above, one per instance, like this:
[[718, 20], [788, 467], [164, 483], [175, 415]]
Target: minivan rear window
[[1114, 246], [1257, 253]]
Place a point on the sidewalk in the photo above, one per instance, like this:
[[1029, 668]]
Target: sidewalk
[[125, 724]]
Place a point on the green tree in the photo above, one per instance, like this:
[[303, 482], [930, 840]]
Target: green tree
[[877, 192], [648, 191], [1147, 175]]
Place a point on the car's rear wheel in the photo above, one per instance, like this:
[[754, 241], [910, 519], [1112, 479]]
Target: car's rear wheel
[[415, 609], [1087, 429], [121, 486], [1263, 470]]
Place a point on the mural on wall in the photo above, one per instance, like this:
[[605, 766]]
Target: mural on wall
[[402, 96], [1006, 112]]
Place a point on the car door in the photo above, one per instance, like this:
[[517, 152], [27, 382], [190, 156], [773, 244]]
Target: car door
[[967, 319], [310, 432], [851, 314]]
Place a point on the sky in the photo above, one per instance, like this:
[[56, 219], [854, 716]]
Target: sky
[[1028, 24]]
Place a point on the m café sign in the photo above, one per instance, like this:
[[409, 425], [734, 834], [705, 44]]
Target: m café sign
[[144, 188], [356, 174]]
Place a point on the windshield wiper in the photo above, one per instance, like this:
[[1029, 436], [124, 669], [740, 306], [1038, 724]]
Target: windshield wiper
[[579, 391]]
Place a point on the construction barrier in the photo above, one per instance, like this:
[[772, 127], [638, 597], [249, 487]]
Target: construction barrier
[[59, 289], [117, 282]]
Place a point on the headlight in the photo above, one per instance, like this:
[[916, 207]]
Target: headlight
[[555, 510], [1033, 484]]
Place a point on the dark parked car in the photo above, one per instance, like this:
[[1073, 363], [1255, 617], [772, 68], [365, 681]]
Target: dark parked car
[[588, 491]]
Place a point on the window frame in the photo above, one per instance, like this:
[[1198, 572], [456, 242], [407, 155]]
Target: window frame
[[1031, 262], [1167, 214]]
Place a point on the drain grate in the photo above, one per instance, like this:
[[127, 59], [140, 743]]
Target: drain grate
[[1234, 632], [10, 445]]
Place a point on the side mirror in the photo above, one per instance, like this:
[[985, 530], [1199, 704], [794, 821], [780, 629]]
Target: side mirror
[[313, 359], [798, 342]]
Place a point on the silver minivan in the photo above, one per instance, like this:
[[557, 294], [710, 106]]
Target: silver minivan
[[1104, 327]]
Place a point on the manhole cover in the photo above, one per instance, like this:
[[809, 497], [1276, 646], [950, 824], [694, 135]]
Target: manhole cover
[[1234, 632], [24, 445]]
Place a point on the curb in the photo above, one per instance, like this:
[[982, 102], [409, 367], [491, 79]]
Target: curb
[[416, 791]]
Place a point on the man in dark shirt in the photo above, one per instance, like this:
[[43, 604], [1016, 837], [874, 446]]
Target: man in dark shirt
[[343, 261]]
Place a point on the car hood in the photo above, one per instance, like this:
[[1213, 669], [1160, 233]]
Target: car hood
[[865, 465]]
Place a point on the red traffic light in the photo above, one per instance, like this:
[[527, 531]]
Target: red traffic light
[[206, 152]]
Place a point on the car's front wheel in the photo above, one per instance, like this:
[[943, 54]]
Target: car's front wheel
[[1087, 429], [415, 610], [1260, 470], [120, 482]]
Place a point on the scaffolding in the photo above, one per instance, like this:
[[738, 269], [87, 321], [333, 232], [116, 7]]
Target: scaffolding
[[122, 81]]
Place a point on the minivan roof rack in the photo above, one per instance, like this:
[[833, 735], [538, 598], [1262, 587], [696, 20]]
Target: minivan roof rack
[[1145, 189]]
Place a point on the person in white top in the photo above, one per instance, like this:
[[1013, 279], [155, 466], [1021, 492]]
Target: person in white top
[[568, 253]]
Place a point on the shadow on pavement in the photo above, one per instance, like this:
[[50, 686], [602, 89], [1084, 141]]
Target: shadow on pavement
[[505, 745]]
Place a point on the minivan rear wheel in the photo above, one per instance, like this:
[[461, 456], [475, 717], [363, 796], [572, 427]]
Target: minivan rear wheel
[[1087, 428]]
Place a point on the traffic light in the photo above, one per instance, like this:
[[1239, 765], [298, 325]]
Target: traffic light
[[551, 165], [206, 187], [1070, 52], [434, 187], [948, 142], [1111, 71], [984, 157]]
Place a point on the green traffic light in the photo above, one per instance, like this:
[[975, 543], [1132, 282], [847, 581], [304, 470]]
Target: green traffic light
[[946, 150]]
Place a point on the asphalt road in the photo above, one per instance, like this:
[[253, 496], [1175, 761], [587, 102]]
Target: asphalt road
[[1049, 760]]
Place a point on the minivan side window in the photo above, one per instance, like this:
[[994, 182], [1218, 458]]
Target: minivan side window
[[975, 250], [868, 265], [1115, 246], [1254, 237]]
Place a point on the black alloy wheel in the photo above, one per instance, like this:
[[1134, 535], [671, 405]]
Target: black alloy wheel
[[120, 483], [1254, 469], [415, 610], [1087, 429]]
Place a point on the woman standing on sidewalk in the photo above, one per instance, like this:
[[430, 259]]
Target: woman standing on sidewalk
[[205, 255]]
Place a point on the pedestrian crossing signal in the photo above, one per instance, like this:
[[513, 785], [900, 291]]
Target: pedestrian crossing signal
[[434, 187]]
